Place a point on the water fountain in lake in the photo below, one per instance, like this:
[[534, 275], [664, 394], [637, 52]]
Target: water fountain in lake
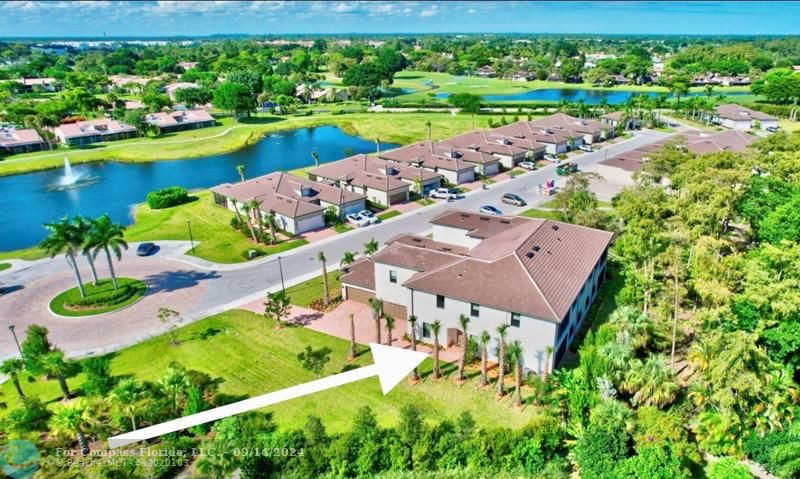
[[72, 179]]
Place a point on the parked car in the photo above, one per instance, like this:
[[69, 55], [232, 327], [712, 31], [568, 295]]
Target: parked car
[[370, 216], [444, 193], [512, 199], [490, 210], [550, 157], [357, 220], [528, 165], [772, 129], [145, 249], [585, 148]]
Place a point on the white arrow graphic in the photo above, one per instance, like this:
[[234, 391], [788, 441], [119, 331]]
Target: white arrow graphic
[[391, 366]]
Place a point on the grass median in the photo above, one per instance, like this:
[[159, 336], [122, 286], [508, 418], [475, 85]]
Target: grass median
[[101, 298]]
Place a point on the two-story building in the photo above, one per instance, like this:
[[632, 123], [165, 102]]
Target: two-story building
[[537, 276], [426, 155], [508, 149]]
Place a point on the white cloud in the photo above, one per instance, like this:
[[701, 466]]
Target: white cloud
[[429, 11]]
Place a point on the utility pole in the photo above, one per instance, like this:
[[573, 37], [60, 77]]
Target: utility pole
[[191, 239], [280, 269], [11, 328]]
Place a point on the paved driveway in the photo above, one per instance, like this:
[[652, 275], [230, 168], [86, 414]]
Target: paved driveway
[[197, 288]]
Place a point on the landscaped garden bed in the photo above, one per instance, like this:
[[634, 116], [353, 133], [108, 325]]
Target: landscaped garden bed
[[99, 299]]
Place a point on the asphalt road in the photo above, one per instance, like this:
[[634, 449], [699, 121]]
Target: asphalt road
[[198, 290]]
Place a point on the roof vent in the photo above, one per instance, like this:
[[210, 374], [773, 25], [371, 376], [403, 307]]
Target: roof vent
[[529, 254], [416, 240], [555, 227], [483, 218], [447, 249], [505, 222], [536, 248]]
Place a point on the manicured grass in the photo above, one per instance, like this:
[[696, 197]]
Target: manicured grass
[[388, 214], [4, 266], [342, 228], [551, 204], [789, 126], [61, 303], [401, 128], [425, 201], [304, 293], [537, 213], [249, 357], [516, 172], [28, 254]]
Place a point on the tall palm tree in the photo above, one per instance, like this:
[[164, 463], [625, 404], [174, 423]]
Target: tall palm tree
[[11, 368], [485, 338], [412, 320], [322, 259], [501, 360], [54, 364], [603, 104], [378, 145], [429, 126], [548, 354], [71, 419], [107, 236], [377, 314], [315, 157], [271, 222], [255, 210], [83, 228], [348, 258], [389, 319], [709, 90], [370, 247], [515, 355], [246, 210], [240, 170], [652, 382], [64, 238], [435, 328], [352, 351], [173, 384], [463, 321], [127, 396]]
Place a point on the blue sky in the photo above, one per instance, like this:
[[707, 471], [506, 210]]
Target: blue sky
[[120, 18]]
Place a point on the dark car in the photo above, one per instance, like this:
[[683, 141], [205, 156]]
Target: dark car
[[145, 249], [512, 199]]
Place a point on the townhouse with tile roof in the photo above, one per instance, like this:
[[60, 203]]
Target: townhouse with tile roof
[[537, 276]]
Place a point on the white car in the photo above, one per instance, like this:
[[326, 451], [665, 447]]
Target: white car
[[528, 165], [490, 210], [585, 148], [357, 220], [370, 216], [550, 157], [444, 194]]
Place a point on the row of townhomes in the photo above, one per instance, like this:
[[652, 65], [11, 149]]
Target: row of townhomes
[[537, 276], [391, 177], [13, 141], [738, 117]]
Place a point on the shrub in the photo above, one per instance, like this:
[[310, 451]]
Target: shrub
[[727, 468], [107, 298], [167, 197]]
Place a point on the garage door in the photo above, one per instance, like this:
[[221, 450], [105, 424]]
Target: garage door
[[359, 295], [398, 198], [394, 310]]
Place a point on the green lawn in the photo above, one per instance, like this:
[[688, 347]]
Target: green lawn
[[537, 213], [131, 290], [789, 126], [304, 293], [425, 201], [342, 228], [4, 266], [401, 128], [250, 357], [389, 214]]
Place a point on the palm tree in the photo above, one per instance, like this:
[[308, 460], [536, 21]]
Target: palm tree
[[428, 125], [107, 236], [709, 90], [348, 258], [11, 368], [389, 319], [435, 328], [83, 228], [315, 157], [603, 104], [54, 364], [413, 321], [352, 351], [255, 210], [463, 321], [548, 353], [246, 209], [322, 259], [71, 419], [485, 338], [515, 355], [173, 384], [377, 314], [652, 382], [378, 145], [271, 222], [370, 247], [127, 396], [501, 362], [64, 238], [240, 170]]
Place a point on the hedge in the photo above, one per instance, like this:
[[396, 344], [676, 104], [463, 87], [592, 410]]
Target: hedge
[[167, 197], [120, 295]]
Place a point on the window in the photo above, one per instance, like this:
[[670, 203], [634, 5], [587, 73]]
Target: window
[[474, 310], [440, 301], [426, 330], [392, 276], [515, 317]]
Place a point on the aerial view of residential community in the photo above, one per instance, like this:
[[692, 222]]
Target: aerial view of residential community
[[445, 240]]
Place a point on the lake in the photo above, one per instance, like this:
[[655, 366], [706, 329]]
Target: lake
[[29, 200], [589, 96]]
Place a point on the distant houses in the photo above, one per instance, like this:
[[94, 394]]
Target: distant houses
[[180, 120], [13, 141], [486, 72], [738, 117], [28, 85], [93, 131], [174, 87]]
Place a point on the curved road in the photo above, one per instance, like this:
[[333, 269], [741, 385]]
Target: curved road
[[198, 289]]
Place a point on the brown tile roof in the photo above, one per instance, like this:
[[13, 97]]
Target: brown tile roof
[[350, 169], [477, 225], [10, 137], [536, 133], [427, 243], [566, 123], [413, 257], [99, 126], [424, 154], [493, 143], [739, 113], [360, 273], [615, 115]]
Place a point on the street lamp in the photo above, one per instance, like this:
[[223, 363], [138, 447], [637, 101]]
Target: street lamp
[[191, 240], [280, 268], [13, 333]]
